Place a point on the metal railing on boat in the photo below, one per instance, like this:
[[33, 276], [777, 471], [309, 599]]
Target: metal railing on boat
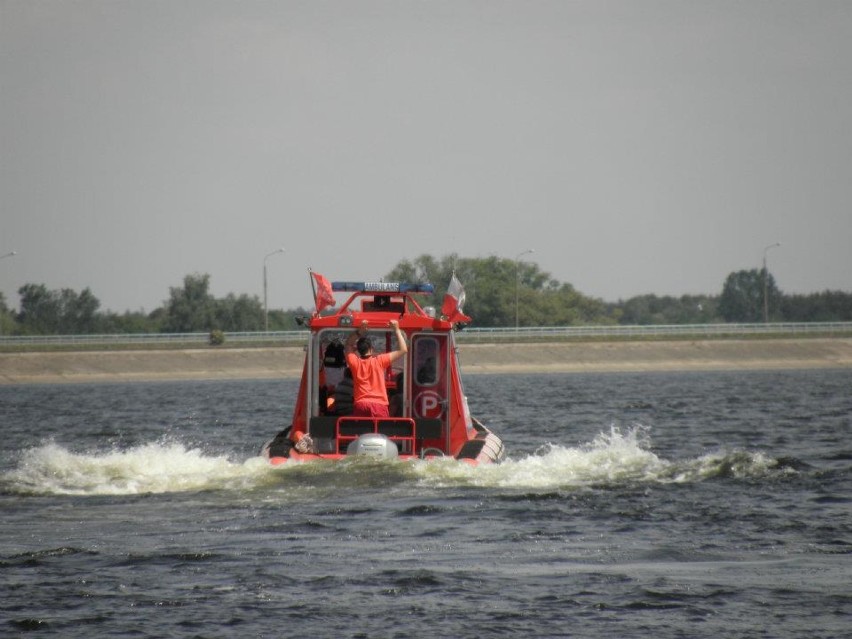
[[402, 431]]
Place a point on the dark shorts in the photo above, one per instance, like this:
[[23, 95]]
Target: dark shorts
[[370, 409]]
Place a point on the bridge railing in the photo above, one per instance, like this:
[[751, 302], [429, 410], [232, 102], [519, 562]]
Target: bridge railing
[[470, 334], [158, 339], [656, 331]]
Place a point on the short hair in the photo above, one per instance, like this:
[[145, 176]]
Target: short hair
[[364, 346], [334, 354]]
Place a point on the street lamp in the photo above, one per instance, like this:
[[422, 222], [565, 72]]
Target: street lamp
[[518, 281], [265, 304], [9, 254], [765, 278]]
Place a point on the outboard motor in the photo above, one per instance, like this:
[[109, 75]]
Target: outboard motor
[[373, 445]]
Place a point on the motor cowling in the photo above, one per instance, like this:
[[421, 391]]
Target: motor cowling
[[373, 445]]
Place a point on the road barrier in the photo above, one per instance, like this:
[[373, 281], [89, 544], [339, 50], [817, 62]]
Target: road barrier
[[469, 335], [674, 331]]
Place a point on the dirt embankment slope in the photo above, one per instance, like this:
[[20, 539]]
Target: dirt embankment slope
[[683, 355], [265, 363]]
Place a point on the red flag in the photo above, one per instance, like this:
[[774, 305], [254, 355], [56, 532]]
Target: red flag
[[322, 295], [454, 302]]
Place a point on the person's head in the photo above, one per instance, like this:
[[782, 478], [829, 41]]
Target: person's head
[[334, 354], [364, 346]]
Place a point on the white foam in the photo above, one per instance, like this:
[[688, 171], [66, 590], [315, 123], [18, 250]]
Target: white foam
[[150, 468], [615, 456]]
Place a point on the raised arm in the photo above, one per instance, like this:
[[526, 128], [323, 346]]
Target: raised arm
[[400, 338]]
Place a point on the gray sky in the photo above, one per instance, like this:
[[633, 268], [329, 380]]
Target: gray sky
[[637, 146]]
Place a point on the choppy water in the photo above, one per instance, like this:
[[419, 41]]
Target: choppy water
[[654, 505]]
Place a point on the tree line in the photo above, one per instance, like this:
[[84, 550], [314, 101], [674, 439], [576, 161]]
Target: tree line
[[191, 308], [499, 292]]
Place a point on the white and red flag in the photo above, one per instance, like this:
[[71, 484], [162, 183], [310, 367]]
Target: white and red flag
[[454, 302], [323, 296]]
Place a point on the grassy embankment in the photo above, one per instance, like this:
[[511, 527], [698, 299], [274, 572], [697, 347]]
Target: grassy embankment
[[59, 364]]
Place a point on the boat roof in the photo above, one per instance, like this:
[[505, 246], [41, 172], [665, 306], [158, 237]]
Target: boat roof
[[378, 302], [382, 287]]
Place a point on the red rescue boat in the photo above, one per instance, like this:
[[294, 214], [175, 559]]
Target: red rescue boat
[[429, 415]]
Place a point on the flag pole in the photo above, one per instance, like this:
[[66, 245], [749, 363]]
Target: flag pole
[[313, 288]]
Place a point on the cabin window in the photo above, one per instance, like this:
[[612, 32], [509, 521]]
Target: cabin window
[[383, 304], [329, 366], [426, 361]]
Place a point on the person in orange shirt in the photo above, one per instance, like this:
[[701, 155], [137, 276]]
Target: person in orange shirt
[[368, 371]]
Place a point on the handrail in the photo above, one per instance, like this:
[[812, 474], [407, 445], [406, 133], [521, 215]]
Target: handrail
[[470, 334], [405, 442], [129, 339], [655, 330]]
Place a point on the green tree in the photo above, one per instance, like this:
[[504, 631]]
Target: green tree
[[497, 288], [490, 290], [59, 311], [130, 322], [288, 320], [651, 309], [40, 312], [742, 296], [190, 308], [426, 269], [79, 312], [7, 317], [827, 306], [243, 313]]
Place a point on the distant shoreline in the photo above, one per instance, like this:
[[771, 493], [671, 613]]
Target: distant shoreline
[[556, 357]]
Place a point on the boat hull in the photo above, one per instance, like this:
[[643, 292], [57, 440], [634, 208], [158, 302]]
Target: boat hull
[[484, 448]]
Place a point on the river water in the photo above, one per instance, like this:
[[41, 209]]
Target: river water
[[654, 505]]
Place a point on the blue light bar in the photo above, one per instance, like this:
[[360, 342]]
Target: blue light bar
[[381, 287]]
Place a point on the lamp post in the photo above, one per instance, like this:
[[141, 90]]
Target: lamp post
[[765, 286], [518, 282], [265, 304], [9, 254]]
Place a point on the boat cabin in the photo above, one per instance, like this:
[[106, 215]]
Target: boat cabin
[[427, 404]]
